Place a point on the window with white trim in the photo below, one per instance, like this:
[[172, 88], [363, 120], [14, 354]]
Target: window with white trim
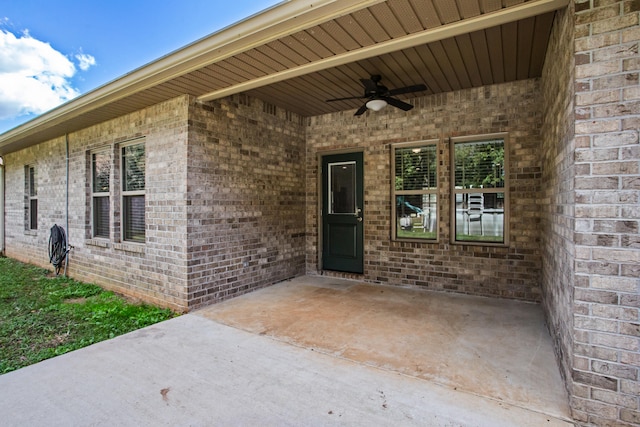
[[415, 190], [479, 189], [133, 192], [100, 186], [31, 184]]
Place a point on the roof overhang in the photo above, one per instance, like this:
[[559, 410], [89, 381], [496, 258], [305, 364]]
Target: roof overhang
[[208, 67]]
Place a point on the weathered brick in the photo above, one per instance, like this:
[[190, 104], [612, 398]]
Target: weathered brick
[[592, 154], [597, 267], [598, 126], [632, 64], [618, 51], [597, 14], [632, 329], [597, 42], [614, 82], [615, 226], [601, 297], [617, 399], [595, 211], [596, 69], [616, 255], [630, 416], [629, 183], [616, 109], [630, 242], [614, 24], [595, 380], [615, 341], [630, 300], [612, 283], [630, 270], [630, 34], [594, 324], [596, 352], [599, 183], [630, 94], [614, 370], [630, 387], [591, 98], [614, 312]]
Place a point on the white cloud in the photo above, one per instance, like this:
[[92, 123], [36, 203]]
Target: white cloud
[[85, 61], [34, 77]]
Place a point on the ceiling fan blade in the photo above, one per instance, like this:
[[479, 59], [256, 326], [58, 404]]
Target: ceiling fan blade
[[407, 89], [397, 103], [361, 110], [345, 99]]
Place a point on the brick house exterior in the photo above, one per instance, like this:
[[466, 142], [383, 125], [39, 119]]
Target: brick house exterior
[[232, 200]]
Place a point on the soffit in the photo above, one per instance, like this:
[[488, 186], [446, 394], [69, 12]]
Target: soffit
[[509, 51]]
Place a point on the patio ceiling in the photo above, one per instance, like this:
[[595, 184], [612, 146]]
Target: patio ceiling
[[300, 53]]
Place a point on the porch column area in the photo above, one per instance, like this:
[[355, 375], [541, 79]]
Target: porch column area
[[605, 358], [589, 201], [245, 196]]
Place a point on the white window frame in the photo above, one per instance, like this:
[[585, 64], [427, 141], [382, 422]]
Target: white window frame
[[124, 193], [95, 194], [431, 191], [457, 193], [32, 183]]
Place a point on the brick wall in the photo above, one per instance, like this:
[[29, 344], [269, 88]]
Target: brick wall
[[155, 271], [246, 195], [557, 195], [224, 202], [607, 182], [511, 272]]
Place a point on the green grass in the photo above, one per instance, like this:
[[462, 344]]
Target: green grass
[[42, 316], [415, 234]]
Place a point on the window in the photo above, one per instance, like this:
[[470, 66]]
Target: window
[[480, 197], [100, 176], [32, 195], [133, 186], [415, 190]]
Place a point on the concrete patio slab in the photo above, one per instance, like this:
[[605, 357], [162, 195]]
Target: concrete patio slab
[[490, 347], [194, 371]]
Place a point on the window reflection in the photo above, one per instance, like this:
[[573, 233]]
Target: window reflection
[[342, 182]]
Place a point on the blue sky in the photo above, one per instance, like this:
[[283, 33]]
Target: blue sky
[[52, 51]]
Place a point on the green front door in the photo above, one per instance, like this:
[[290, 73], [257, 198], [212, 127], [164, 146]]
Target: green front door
[[342, 213]]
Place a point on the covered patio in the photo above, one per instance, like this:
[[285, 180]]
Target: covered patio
[[490, 348]]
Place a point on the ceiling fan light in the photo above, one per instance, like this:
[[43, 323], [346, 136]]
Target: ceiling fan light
[[376, 104]]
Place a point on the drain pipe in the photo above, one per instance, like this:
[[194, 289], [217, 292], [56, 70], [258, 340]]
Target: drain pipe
[[2, 216], [68, 248]]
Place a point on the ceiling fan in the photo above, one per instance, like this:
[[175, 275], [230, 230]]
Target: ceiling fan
[[378, 96]]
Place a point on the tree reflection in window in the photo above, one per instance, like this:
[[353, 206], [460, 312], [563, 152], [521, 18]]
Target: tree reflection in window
[[415, 190], [479, 188]]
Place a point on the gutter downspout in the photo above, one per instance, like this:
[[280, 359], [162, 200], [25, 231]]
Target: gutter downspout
[[66, 256], [2, 215]]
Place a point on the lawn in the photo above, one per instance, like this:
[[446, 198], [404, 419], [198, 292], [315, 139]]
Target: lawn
[[43, 316]]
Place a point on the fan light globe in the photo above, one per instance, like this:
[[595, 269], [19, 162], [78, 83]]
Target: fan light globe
[[376, 104]]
